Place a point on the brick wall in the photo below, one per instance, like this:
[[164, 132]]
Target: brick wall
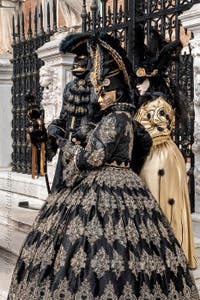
[[30, 4], [26, 7]]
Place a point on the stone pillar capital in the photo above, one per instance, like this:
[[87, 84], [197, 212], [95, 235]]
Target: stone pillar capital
[[190, 19], [5, 112], [54, 75]]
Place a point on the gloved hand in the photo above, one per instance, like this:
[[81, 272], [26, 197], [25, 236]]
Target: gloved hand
[[56, 131]]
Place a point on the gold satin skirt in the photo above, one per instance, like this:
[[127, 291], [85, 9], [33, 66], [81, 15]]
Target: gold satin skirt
[[164, 172]]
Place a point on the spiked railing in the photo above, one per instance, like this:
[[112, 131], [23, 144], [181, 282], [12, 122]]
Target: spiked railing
[[26, 65]]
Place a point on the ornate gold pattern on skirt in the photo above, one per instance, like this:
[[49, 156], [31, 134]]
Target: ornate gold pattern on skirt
[[104, 239]]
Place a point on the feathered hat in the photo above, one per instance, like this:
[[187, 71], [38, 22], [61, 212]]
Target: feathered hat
[[157, 55], [75, 43], [111, 67]]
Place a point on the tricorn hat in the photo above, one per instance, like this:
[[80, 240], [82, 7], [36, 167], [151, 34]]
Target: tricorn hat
[[75, 43]]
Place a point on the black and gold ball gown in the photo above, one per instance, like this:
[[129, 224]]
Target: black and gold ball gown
[[164, 172], [104, 235]]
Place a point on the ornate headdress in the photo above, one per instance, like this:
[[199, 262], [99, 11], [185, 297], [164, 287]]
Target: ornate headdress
[[157, 55], [111, 67]]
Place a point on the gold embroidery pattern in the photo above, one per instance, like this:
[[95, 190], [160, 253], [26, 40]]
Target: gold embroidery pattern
[[128, 293], [96, 158], [100, 263], [88, 202], [91, 227], [93, 231], [78, 261], [75, 229], [158, 293], [62, 292], [85, 292], [109, 292], [117, 264], [107, 132]]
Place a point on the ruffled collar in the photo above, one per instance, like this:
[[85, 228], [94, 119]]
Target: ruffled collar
[[119, 107]]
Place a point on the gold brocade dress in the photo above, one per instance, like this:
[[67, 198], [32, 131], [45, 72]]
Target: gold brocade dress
[[164, 172]]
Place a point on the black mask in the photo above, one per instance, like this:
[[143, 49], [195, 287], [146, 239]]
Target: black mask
[[80, 66]]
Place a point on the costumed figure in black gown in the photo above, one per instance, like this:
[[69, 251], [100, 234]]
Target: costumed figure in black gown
[[164, 170], [104, 236], [76, 107]]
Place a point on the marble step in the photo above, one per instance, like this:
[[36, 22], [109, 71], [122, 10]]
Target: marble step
[[22, 184], [7, 264]]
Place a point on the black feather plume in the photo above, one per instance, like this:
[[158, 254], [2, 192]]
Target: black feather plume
[[75, 43]]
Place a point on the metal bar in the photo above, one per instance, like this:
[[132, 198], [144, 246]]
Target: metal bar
[[84, 16], [18, 27], [54, 16], [23, 34], [30, 33], [93, 9], [41, 21], [48, 19], [13, 31], [131, 31], [104, 13], [115, 6], [36, 21]]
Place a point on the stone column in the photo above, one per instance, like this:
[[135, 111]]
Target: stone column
[[54, 75], [191, 20], [5, 111]]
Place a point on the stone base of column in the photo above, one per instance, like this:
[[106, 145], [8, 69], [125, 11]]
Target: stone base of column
[[21, 197]]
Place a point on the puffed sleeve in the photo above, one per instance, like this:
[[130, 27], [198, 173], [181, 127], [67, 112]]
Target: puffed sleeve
[[101, 145]]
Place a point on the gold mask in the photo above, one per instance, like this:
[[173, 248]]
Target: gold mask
[[157, 117], [106, 99]]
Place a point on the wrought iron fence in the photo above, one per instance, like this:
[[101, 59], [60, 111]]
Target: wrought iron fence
[[121, 18], [26, 65]]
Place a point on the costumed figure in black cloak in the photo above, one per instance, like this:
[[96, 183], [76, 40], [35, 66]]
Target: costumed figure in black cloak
[[76, 107], [105, 237], [164, 170]]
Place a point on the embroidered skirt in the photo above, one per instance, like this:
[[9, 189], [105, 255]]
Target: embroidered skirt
[[106, 238]]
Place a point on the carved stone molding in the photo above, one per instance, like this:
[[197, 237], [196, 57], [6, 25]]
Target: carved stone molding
[[5, 69], [5, 112], [52, 94], [54, 75]]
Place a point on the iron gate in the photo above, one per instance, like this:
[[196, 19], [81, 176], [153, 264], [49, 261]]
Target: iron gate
[[120, 18], [26, 65]]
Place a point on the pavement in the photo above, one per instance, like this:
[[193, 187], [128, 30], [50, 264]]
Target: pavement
[[6, 269], [196, 272]]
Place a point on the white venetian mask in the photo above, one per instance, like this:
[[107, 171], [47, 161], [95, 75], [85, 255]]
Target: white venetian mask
[[143, 87]]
